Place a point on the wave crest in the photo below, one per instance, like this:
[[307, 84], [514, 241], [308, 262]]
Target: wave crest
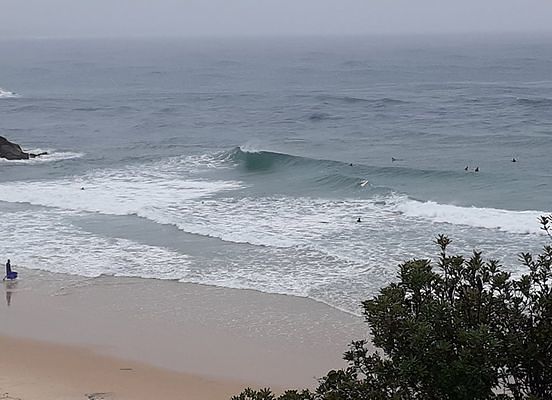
[[519, 222]]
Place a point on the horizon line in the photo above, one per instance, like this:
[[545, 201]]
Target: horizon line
[[364, 35]]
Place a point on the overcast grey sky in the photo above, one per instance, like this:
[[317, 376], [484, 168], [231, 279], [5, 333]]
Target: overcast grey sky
[[76, 18]]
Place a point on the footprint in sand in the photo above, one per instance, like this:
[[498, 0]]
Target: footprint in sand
[[6, 396], [98, 396]]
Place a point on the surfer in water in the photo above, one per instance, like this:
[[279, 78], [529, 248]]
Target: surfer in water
[[359, 220]]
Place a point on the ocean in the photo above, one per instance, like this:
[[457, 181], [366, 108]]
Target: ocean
[[245, 163]]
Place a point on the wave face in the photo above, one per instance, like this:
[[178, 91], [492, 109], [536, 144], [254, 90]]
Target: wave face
[[294, 173], [260, 161], [397, 184]]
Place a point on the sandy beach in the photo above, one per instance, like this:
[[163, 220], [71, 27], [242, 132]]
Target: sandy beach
[[69, 337], [38, 370]]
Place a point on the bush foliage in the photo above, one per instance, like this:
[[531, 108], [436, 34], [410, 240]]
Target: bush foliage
[[455, 329]]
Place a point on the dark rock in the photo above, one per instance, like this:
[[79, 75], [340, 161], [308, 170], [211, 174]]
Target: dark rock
[[12, 151]]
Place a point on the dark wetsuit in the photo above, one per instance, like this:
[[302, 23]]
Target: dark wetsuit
[[9, 273]]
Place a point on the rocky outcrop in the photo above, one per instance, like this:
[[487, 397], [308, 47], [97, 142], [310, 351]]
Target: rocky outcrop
[[12, 151]]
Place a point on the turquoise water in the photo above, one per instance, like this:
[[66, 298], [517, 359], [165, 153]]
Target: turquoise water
[[247, 163]]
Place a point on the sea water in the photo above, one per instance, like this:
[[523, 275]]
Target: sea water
[[246, 163]]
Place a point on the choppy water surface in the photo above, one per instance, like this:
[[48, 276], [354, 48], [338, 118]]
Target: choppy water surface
[[246, 164]]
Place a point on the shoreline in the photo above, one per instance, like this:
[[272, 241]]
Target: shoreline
[[233, 337]]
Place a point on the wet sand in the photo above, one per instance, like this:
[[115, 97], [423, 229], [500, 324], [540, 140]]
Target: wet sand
[[208, 341]]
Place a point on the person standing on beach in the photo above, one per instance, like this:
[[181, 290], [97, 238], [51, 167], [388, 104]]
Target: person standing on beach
[[9, 273]]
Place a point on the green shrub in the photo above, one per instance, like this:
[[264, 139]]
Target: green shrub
[[459, 329]]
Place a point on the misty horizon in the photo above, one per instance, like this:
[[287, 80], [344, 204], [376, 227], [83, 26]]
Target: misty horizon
[[270, 18]]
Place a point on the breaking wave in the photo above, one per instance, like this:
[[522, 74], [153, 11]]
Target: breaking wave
[[169, 193], [52, 156], [6, 94], [519, 222]]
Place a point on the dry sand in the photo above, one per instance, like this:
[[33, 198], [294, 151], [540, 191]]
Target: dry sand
[[34, 370], [66, 336]]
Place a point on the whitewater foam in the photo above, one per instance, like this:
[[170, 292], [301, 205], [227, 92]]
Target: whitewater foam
[[111, 194], [251, 147], [519, 222], [43, 239], [6, 94], [140, 190], [52, 156], [301, 246], [167, 192]]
